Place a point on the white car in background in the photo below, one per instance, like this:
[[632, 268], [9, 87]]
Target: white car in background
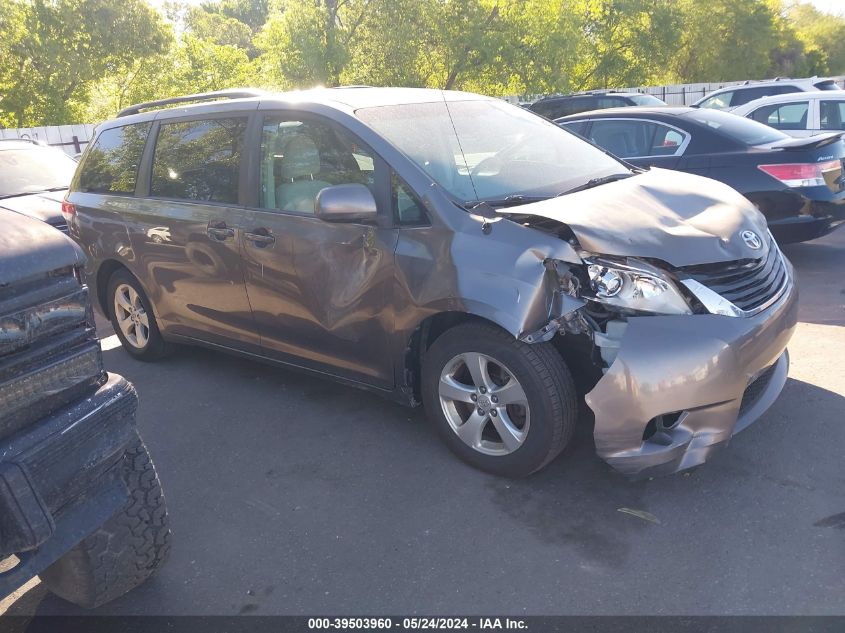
[[730, 97], [799, 114]]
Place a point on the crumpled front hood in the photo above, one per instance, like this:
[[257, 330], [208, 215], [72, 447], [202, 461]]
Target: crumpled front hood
[[668, 215]]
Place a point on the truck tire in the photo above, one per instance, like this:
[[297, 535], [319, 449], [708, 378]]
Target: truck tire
[[123, 552]]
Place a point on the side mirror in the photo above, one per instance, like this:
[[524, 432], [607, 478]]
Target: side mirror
[[346, 203]]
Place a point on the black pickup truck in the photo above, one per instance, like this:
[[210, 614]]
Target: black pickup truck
[[80, 501]]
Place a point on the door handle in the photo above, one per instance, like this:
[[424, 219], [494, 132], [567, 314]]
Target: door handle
[[260, 237], [219, 231]]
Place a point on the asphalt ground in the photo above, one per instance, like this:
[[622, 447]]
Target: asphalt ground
[[294, 495]]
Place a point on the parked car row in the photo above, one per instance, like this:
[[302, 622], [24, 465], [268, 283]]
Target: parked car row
[[797, 183]]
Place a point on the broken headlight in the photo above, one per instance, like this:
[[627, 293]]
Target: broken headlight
[[634, 285]]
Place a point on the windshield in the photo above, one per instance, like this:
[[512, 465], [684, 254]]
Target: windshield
[[24, 171], [736, 127], [489, 150]]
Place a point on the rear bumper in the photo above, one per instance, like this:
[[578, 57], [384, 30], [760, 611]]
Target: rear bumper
[[60, 479], [720, 373]]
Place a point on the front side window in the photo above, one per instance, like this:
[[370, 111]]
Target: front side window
[[784, 116], [111, 163], [636, 139], [299, 158], [488, 149], [832, 114], [199, 160]]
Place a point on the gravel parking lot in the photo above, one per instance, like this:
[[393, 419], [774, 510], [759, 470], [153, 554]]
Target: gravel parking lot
[[292, 495]]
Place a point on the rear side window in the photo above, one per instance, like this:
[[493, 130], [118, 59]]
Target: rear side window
[[611, 102], [111, 163], [784, 116], [832, 115], [741, 97], [199, 160], [826, 85], [557, 108], [646, 100]]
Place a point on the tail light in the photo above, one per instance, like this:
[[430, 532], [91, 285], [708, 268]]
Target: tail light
[[806, 174], [68, 210]]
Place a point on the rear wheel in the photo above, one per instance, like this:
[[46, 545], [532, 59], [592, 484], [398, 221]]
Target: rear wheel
[[124, 551], [503, 406], [132, 318]]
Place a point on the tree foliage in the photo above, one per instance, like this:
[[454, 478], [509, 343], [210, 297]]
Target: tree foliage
[[54, 50], [67, 60]]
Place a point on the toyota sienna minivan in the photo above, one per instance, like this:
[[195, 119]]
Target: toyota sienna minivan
[[444, 249]]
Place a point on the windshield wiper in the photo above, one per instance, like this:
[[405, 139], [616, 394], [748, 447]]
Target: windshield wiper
[[34, 192], [507, 201], [595, 182]]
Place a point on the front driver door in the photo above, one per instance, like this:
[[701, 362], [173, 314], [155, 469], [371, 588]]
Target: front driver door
[[319, 291]]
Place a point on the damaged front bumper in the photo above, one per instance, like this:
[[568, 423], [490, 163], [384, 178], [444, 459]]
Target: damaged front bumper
[[680, 386]]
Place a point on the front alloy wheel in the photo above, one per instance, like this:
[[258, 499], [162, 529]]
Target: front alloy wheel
[[484, 404]]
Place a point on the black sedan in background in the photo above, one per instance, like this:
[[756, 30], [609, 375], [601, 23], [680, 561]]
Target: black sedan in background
[[798, 183], [34, 179]]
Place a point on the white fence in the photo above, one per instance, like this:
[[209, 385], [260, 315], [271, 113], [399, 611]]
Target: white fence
[[70, 138]]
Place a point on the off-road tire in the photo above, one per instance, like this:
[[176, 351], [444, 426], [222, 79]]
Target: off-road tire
[[156, 347], [543, 375], [126, 550]]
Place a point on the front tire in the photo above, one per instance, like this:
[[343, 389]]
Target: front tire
[[503, 406], [125, 550], [132, 318]]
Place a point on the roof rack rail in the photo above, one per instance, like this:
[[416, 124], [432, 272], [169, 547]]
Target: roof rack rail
[[237, 93]]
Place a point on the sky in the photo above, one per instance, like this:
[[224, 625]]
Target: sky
[[831, 6]]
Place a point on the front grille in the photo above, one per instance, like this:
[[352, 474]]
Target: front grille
[[755, 389], [748, 283]]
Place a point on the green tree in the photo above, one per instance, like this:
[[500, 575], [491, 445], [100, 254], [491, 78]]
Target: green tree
[[822, 36], [55, 50]]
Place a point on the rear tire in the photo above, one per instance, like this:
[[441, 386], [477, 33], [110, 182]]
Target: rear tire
[[124, 551], [132, 318], [541, 427]]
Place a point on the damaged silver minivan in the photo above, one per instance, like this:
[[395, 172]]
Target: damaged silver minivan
[[447, 249]]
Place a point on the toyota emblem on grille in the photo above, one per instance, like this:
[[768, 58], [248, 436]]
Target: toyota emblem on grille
[[751, 239]]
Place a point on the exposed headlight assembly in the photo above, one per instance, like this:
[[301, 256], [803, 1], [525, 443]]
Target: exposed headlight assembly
[[634, 285]]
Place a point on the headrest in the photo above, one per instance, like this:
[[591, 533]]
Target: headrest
[[300, 157]]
